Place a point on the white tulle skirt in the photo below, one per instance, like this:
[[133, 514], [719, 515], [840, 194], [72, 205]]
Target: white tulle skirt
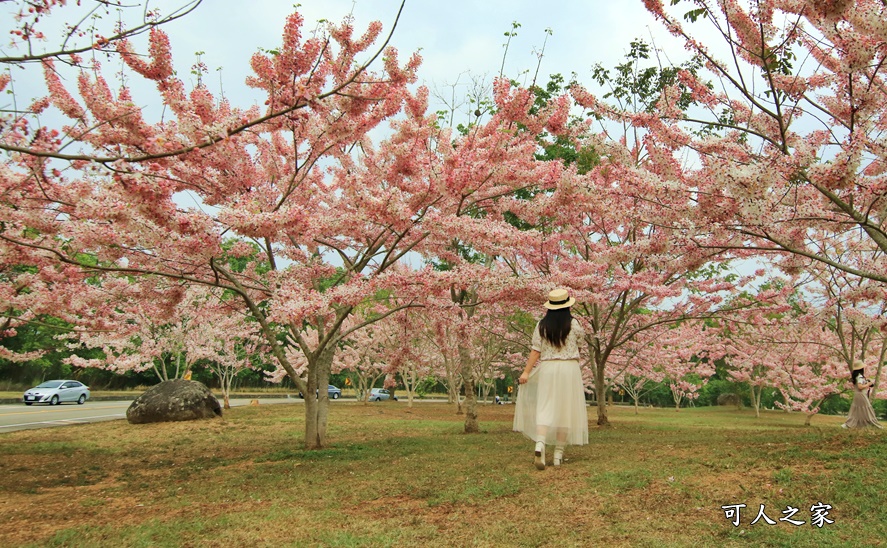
[[551, 407]]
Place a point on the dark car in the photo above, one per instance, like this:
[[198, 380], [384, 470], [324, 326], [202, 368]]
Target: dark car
[[332, 393], [56, 392]]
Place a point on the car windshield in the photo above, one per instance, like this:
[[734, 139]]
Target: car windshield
[[49, 384]]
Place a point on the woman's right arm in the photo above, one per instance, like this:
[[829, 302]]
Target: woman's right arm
[[531, 362], [862, 385]]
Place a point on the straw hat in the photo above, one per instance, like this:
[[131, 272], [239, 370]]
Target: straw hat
[[559, 298], [858, 365]]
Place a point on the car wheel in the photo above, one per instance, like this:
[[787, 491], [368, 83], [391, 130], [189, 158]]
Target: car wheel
[[81, 399], [335, 395], [54, 400], [395, 399], [28, 402], [378, 399]]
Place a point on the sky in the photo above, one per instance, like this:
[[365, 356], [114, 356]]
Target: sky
[[453, 37], [457, 39]]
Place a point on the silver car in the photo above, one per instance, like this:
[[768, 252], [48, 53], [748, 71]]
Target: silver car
[[332, 392], [379, 394], [56, 392]]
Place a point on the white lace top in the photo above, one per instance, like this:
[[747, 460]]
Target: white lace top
[[570, 349]]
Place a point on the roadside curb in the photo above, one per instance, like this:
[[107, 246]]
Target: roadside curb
[[220, 397], [131, 397]]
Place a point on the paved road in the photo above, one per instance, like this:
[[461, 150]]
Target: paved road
[[20, 417]]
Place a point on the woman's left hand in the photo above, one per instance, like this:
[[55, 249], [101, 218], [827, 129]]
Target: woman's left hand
[[523, 378]]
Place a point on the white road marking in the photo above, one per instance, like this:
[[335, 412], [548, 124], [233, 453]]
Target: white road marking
[[84, 420]]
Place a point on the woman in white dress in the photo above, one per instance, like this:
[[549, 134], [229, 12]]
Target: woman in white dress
[[861, 414], [550, 408]]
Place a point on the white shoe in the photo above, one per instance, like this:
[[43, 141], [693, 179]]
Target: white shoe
[[558, 455], [539, 459]]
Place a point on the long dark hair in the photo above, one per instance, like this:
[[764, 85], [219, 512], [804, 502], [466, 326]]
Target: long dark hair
[[555, 326], [854, 376]]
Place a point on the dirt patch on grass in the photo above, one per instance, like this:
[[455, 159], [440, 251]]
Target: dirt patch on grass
[[26, 518], [105, 475], [414, 475]]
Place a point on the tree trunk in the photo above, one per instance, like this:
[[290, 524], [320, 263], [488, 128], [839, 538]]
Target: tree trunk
[[635, 406], [875, 386], [225, 381], [317, 402], [600, 392], [311, 406], [411, 388], [756, 400], [471, 426], [363, 390], [457, 397]]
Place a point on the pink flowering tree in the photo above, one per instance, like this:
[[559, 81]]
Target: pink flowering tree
[[145, 326], [404, 353], [850, 312], [606, 226], [769, 343], [445, 346], [634, 366], [785, 127], [31, 284], [749, 360], [168, 328], [226, 342], [490, 346], [388, 348], [793, 345], [487, 343], [791, 354], [804, 383], [471, 178], [334, 213], [686, 359], [364, 356], [438, 346], [256, 171], [783, 155], [753, 337], [31, 290], [629, 272]]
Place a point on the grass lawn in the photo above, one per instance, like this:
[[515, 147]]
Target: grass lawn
[[394, 476]]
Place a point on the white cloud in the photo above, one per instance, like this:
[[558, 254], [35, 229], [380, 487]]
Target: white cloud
[[454, 37]]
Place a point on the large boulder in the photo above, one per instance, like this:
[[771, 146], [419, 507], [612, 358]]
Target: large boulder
[[175, 400], [728, 398]]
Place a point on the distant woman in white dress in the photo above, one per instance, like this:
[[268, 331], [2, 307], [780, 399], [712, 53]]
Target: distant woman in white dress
[[550, 408], [861, 414]]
